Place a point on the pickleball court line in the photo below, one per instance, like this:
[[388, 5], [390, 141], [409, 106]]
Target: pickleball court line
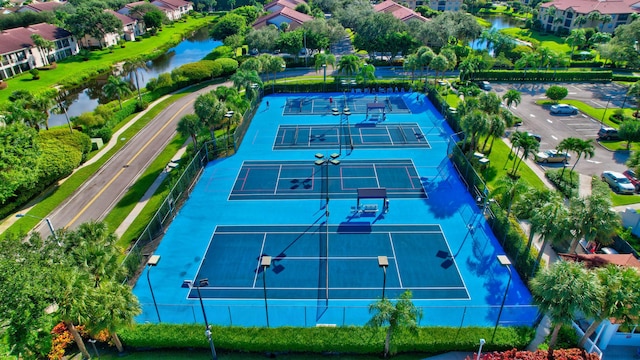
[[255, 277], [393, 251]]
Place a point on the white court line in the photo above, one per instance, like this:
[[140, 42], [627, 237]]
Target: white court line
[[375, 171], [393, 250], [255, 277], [554, 138], [275, 188], [532, 115], [549, 121]]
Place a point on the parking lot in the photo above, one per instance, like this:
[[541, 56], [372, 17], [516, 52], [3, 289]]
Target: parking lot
[[554, 128]]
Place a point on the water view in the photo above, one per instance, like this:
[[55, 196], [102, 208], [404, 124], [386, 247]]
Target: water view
[[498, 22], [84, 99]]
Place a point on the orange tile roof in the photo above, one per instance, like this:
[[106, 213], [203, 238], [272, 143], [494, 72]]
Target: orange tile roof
[[19, 38], [599, 260], [587, 6], [398, 11], [297, 18]]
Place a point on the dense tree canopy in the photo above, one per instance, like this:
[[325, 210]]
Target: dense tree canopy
[[88, 21], [228, 25]]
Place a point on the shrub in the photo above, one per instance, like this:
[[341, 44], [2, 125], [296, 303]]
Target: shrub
[[141, 105], [534, 75], [566, 183], [220, 52], [103, 133], [200, 70], [573, 354], [35, 74], [229, 66]]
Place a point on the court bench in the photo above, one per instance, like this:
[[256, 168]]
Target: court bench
[[370, 208]]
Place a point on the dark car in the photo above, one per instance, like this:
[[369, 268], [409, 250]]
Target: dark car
[[608, 133], [631, 175], [535, 136]]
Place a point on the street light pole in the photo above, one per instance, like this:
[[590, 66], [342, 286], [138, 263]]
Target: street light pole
[[265, 262], [51, 229], [153, 261], [504, 261], [482, 342], [383, 262], [207, 330], [324, 85]]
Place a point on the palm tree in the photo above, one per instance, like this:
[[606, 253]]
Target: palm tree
[[43, 104], [594, 16], [425, 56], [563, 290], [529, 145], [576, 39], [511, 97], [474, 124], [402, 314], [594, 220], [117, 87], [634, 90], [509, 190], [583, 148], [412, 64], [349, 65], [620, 301], [274, 65], [554, 225], [323, 60], [440, 64], [580, 20], [489, 102], [469, 66], [605, 20], [247, 79], [367, 72], [497, 127], [43, 45], [566, 145], [131, 68], [73, 304], [208, 110], [190, 125]]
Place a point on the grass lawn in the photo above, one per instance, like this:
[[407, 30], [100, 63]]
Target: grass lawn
[[73, 71], [619, 200], [554, 43], [502, 162]]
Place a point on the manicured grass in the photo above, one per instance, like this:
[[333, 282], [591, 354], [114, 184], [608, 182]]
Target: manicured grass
[[73, 71], [205, 354], [552, 42], [502, 162], [619, 200]]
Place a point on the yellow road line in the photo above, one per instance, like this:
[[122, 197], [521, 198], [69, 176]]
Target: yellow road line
[[104, 188]]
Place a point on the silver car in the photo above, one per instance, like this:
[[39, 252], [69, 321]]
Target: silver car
[[553, 156], [564, 109], [618, 182]]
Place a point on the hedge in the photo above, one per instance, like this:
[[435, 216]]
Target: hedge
[[349, 339], [544, 75], [628, 78]]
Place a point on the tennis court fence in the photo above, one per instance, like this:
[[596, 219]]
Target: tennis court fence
[[320, 315]]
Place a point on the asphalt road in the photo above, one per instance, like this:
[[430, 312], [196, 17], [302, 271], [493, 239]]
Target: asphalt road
[[555, 128], [99, 194]]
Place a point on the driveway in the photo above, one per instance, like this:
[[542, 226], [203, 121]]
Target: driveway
[[555, 128]]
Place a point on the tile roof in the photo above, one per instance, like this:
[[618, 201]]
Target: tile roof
[[398, 11], [134, 4], [297, 18], [20, 38], [291, 4], [44, 6], [175, 3], [126, 20], [587, 6], [598, 260]]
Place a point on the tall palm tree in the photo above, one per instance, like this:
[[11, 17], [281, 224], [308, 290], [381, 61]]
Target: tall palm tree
[[496, 129], [512, 97], [367, 72], [324, 60], [529, 145], [412, 64], [132, 68], [469, 66], [605, 20], [73, 304], [402, 314], [563, 290], [207, 107], [583, 149], [425, 56], [117, 87], [554, 225], [566, 145], [594, 17], [594, 220], [349, 65], [474, 124], [190, 125], [44, 47], [43, 104], [509, 190], [620, 301], [634, 90], [576, 39], [247, 79]]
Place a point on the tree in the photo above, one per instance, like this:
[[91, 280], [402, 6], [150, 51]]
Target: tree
[[529, 145], [634, 90], [290, 42], [263, 39], [511, 97], [88, 21], [208, 109], [154, 19], [274, 65], [43, 103], [552, 223], [412, 64], [593, 219], [229, 24], [474, 124], [509, 190], [576, 39], [567, 145], [629, 131], [116, 87], [563, 290], [247, 79], [620, 300], [440, 64], [323, 60], [367, 72], [496, 129], [349, 65], [43, 45], [131, 68], [556, 93], [190, 125], [402, 314], [468, 67], [583, 149]]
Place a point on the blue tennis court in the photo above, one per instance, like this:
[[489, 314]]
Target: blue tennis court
[[323, 213], [311, 263], [356, 135], [304, 180]]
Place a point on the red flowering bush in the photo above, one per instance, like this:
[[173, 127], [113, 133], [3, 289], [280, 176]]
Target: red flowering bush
[[514, 354]]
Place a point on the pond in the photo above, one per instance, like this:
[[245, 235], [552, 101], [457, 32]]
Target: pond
[[88, 97], [498, 22]]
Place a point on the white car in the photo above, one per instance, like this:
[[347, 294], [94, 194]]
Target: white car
[[564, 109], [618, 182], [553, 156]]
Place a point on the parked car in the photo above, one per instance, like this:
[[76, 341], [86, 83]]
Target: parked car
[[553, 156], [535, 136], [564, 109], [618, 182], [608, 133], [608, 251], [484, 85], [631, 175]]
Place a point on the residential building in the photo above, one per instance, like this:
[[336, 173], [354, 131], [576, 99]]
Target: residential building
[[284, 15], [398, 11], [41, 6], [19, 53], [439, 5], [562, 14], [173, 9], [130, 29], [278, 5]]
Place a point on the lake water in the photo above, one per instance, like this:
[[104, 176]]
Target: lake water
[[87, 98], [498, 22]]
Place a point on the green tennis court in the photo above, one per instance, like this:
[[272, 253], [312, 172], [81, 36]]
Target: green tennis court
[[305, 180], [322, 105], [334, 262], [359, 135]]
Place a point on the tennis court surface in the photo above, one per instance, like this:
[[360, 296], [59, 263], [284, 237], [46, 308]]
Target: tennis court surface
[[304, 180], [309, 263], [326, 103]]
